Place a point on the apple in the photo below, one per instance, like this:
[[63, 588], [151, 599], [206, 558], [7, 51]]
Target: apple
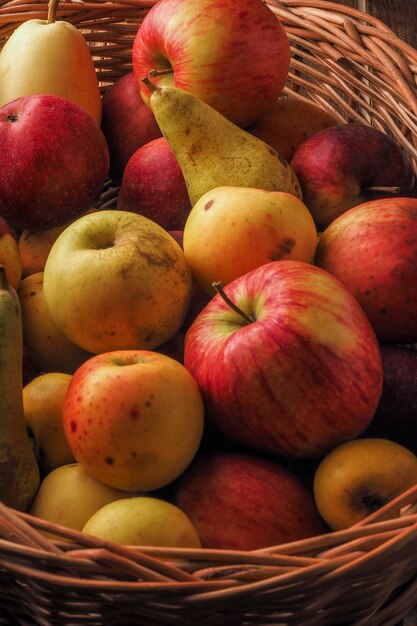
[[286, 360], [54, 161], [289, 122], [116, 280], [143, 521], [133, 418], [348, 164], [69, 496], [127, 123], [232, 230], [49, 348], [372, 250], [358, 477], [9, 254], [240, 65], [396, 414], [43, 399], [239, 501], [154, 186]]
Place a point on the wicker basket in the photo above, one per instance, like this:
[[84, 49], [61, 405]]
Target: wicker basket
[[351, 64]]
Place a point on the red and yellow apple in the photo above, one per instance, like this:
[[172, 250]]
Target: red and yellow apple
[[232, 230], [295, 370], [133, 418], [372, 250], [235, 60]]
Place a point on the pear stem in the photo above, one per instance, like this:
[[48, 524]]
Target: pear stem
[[4, 283], [168, 70], [52, 10], [150, 85], [219, 288]]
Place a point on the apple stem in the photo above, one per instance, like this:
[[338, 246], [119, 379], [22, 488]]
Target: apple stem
[[168, 70], [219, 289], [4, 283], [150, 85], [52, 10], [383, 189]]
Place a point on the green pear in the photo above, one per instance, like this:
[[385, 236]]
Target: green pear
[[212, 151], [19, 471], [48, 56]]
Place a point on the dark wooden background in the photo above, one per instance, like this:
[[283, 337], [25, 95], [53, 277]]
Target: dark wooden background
[[399, 15]]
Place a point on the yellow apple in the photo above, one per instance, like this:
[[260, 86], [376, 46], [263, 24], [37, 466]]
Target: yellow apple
[[69, 496], [143, 521], [359, 476], [43, 400], [9, 254], [289, 122], [115, 280], [133, 418], [232, 230], [45, 56], [49, 348]]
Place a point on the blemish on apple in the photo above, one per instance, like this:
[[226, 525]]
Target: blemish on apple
[[208, 205], [73, 426], [109, 460]]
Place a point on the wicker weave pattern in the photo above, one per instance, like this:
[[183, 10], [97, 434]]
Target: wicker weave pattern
[[351, 64]]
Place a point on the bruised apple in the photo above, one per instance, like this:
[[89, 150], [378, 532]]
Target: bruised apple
[[125, 280], [232, 230]]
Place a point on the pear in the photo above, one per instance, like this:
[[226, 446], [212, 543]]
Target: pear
[[212, 151], [19, 471], [45, 56]]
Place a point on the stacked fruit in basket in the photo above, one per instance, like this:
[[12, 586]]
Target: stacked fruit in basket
[[223, 358]]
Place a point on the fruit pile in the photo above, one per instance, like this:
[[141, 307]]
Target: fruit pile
[[225, 357]]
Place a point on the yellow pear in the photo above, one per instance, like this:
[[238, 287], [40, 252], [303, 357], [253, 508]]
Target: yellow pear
[[45, 56], [212, 151], [19, 473]]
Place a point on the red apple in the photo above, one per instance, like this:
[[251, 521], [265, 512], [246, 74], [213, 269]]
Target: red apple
[[396, 415], [301, 373], [238, 501], [345, 165], [372, 249], [127, 123], [234, 58], [153, 185], [54, 161]]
